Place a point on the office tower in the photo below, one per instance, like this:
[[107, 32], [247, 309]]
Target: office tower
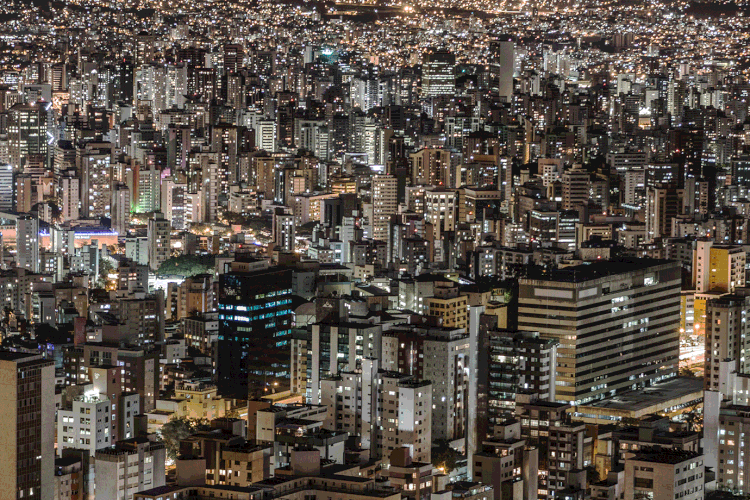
[[253, 352], [575, 188], [385, 203], [128, 467], [438, 355], [502, 67], [28, 132], [27, 242], [284, 229], [383, 410], [637, 345], [158, 241], [28, 436], [266, 135], [438, 73], [121, 209]]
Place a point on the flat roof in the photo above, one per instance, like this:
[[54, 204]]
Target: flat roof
[[655, 396], [594, 270], [15, 356], [666, 456]]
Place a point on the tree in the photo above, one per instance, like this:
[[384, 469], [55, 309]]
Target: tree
[[178, 429], [105, 267], [629, 422], [693, 418], [687, 372], [187, 265], [592, 475], [444, 457]]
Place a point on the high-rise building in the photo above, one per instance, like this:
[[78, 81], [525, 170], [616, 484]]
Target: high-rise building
[[28, 132], [438, 76], [195, 296], [284, 229], [95, 168], [121, 209], [516, 362], [727, 340], [575, 188], [338, 344], [28, 437], [506, 463], [233, 58], [663, 474], [27, 242], [158, 241], [502, 68], [255, 326], [663, 204], [130, 466], [718, 268], [448, 305], [439, 355], [25, 193], [384, 204], [70, 187], [549, 427], [635, 345], [383, 410], [87, 425], [6, 187]]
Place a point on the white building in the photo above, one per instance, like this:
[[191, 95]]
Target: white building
[[87, 426], [385, 410], [27, 242], [131, 466]]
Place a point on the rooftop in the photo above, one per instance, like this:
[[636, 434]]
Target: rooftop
[[594, 270], [649, 397], [666, 456]]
